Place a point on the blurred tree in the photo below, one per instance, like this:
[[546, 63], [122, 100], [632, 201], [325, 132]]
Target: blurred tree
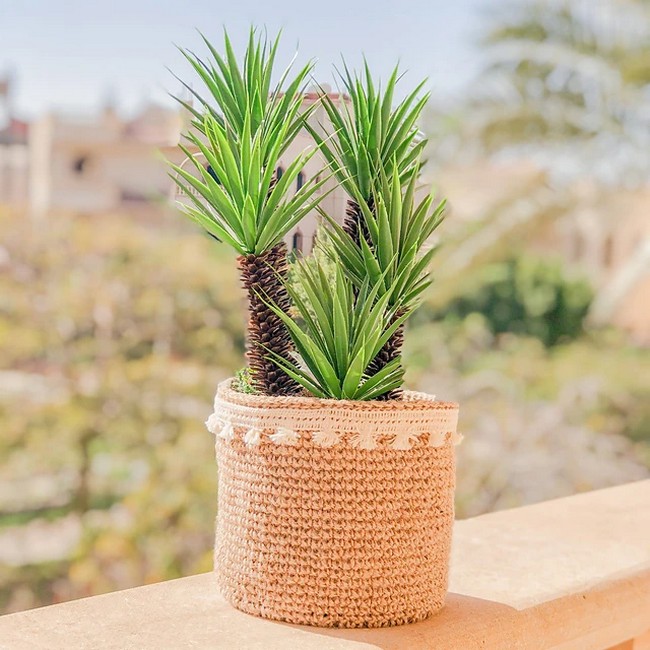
[[565, 82], [110, 358], [565, 85], [526, 296]]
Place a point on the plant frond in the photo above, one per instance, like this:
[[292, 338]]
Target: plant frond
[[339, 333], [241, 127]]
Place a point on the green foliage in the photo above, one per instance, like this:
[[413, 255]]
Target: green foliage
[[371, 135], [374, 150], [243, 382], [341, 332], [245, 128], [399, 230], [527, 296], [243, 98], [109, 365]]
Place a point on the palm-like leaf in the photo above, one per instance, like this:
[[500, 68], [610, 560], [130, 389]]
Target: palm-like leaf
[[399, 228], [240, 93], [243, 129], [342, 331], [247, 208], [369, 135]]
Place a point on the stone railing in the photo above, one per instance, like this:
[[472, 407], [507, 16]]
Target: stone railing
[[571, 574]]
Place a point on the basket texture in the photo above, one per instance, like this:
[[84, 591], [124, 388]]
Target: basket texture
[[321, 523]]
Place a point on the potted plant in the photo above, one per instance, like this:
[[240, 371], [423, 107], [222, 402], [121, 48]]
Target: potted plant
[[335, 484]]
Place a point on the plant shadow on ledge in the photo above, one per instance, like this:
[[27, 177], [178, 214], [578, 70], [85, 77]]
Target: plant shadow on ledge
[[320, 419]]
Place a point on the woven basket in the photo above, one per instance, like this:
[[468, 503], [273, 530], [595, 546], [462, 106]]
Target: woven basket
[[334, 513]]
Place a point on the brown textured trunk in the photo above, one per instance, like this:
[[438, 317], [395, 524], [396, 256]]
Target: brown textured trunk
[[392, 350], [355, 225], [262, 276]]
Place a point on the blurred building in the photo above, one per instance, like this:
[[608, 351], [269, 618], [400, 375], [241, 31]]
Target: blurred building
[[603, 234], [84, 164], [14, 155], [100, 164]]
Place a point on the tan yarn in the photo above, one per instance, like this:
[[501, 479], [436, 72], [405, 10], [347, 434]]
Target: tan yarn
[[333, 535]]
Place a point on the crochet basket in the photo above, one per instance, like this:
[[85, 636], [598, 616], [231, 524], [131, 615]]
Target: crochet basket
[[334, 513]]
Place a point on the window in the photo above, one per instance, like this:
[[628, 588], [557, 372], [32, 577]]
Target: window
[[213, 173], [297, 242], [578, 247], [80, 165], [300, 180], [130, 196], [278, 172]]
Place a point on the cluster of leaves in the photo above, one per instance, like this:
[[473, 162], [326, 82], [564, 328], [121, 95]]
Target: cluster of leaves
[[241, 133], [243, 382], [375, 286], [398, 231], [342, 332], [369, 135]]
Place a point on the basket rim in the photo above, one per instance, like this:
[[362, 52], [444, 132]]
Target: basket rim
[[412, 401]]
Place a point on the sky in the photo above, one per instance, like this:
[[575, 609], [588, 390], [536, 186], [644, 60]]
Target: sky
[[74, 55]]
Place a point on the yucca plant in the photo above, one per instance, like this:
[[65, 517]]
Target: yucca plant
[[339, 333], [397, 253], [370, 138], [240, 131], [394, 255], [368, 135]]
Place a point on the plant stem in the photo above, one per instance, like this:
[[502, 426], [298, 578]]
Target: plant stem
[[355, 225], [392, 350], [263, 278]]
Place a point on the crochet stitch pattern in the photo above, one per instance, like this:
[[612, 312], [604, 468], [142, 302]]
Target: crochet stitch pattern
[[315, 529]]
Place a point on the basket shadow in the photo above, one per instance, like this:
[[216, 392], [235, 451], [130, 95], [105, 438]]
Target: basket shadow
[[458, 625]]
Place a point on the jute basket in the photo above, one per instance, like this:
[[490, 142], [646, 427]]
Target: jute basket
[[334, 513]]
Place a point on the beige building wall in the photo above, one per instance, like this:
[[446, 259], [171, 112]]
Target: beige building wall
[[14, 174], [102, 164]]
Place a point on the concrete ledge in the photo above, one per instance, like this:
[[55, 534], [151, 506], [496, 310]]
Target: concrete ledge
[[571, 574]]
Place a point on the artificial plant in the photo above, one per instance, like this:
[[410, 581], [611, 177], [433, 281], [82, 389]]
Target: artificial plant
[[341, 331], [370, 138], [335, 334], [238, 132]]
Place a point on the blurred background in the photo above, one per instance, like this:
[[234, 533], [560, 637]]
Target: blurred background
[[118, 318]]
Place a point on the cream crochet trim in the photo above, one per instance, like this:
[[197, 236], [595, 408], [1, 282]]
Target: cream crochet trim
[[364, 425]]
